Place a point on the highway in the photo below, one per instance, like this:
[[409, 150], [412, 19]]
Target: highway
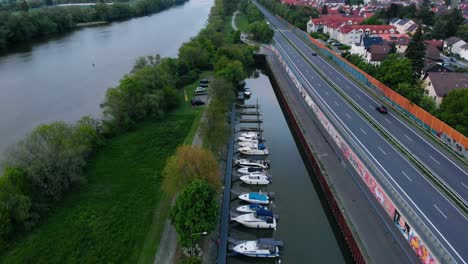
[[447, 223]]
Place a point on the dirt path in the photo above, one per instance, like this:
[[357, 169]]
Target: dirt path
[[233, 21]]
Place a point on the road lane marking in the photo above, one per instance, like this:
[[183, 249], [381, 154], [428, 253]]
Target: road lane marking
[[406, 136], [464, 185], [440, 211], [337, 104], [382, 151], [348, 116], [436, 161], [371, 106], [363, 131], [358, 96], [404, 173], [387, 120], [327, 93]]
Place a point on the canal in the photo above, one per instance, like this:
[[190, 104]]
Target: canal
[[304, 223], [56, 80]]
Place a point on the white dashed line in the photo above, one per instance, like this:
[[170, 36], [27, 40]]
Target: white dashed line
[[337, 104], [348, 116], [387, 120], [406, 136], [327, 93], [358, 95], [404, 173], [382, 151], [363, 131], [436, 161], [440, 211], [464, 185]]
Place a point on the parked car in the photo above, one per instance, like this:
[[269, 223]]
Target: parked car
[[453, 59], [200, 90], [336, 44], [204, 85], [196, 101], [204, 81], [330, 41], [382, 109], [314, 53]]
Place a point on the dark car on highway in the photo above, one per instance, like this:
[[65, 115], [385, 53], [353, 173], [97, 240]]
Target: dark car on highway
[[382, 109], [314, 53], [196, 101]]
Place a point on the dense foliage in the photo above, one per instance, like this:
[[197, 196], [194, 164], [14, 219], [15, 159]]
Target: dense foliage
[[188, 164], [24, 26], [195, 211], [119, 215], [416, 52], [454, 110], [41, 168]]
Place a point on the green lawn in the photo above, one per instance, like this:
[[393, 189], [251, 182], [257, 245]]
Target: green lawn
[[241, 22], [118, 216]]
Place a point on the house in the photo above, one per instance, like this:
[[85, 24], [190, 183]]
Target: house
[[431, 66], [353, 34], [464, 52], [401, 41], [404, 25], [433, 53], [324, 22], [377, 53], [453, 45], [436, 43], [439, 84]]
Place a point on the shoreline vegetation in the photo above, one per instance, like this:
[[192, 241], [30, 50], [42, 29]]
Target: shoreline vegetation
[[91, 191], [27, 25]]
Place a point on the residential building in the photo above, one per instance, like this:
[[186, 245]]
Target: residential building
[[439, 84], [377, 53], [433, 53], [464, 52], [404, 25], [453, 45]]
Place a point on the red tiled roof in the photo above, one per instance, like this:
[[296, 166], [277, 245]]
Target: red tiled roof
[[435, 43], [379, 52], [374, 29], [336, 18]]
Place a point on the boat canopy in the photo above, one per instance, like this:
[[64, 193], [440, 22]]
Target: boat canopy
[[264, 212], [261, 146], [257, 196]]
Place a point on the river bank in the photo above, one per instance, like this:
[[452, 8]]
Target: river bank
[[61, 82]]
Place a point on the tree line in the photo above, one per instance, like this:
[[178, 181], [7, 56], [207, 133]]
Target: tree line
[[49, 162], [24, 26], [294, 14], [258, 28]]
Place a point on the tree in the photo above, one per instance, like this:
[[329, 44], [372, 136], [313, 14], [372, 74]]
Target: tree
[[425, 14], [428, 104], [416, 52], [373, 20], [393, 48], [394, 70], [324, 10], [188, 164], [260, 31], [195, 211], [231, 70], [454, 110]]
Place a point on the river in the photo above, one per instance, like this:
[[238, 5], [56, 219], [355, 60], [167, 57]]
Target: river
[[304, 222], [56, 80]]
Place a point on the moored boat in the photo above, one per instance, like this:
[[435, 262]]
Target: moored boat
[[255, 197], [253, 163], [261, 248], [261, 218], [256, 178]]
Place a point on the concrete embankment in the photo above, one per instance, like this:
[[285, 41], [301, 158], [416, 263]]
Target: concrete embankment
[[370, 234]]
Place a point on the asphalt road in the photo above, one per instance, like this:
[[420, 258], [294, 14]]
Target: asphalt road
[[447, 223]]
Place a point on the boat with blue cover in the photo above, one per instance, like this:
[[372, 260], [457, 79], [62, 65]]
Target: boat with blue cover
[[250, 208], [255, 197], [261, 218], [257, 149]]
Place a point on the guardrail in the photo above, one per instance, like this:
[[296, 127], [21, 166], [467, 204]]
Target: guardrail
[[416, 231]]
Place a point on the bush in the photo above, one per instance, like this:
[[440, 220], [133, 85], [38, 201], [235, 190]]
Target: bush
[[195, 211]]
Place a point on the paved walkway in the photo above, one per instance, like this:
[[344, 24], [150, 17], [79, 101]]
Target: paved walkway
[[233, 20]]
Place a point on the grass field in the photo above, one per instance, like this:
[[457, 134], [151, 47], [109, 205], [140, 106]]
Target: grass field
[[119, 215]]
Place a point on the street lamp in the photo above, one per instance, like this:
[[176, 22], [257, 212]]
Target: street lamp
[[191, 240]]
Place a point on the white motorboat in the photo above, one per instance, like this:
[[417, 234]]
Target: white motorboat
[[255, 197], [250, 208], [249, 134], [262, 218], [258, 149], [248, 170], [247, 92], [261, 248], [256, 178], [248, 138], [253, 163], [252, 143]]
